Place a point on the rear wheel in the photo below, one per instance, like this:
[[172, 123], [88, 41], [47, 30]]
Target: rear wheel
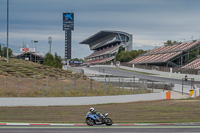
[[89, 122], [108, 121]]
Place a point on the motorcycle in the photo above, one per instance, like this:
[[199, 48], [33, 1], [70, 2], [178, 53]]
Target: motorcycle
[[94, 119]]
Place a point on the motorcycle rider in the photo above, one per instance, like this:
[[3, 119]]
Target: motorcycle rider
[[93, 111]]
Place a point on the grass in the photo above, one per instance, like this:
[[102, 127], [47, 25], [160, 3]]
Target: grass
[[165, 111], [55, 81]]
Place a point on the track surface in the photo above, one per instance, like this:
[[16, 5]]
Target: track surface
[[100, 129], [117, 72]]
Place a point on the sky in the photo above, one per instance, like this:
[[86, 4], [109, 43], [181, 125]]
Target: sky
[[151, 22]]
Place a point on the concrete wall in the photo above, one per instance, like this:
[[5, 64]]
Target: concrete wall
[[62, 101]]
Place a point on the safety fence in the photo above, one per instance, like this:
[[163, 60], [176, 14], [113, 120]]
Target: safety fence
[[76, 85]]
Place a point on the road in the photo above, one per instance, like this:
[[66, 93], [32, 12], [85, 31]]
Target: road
[[99, 129], [117, 72]]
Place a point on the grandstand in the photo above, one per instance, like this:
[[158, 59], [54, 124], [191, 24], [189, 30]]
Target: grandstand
[[105, 44], [193, 65], [173, 56]]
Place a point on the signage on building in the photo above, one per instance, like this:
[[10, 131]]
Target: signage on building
[[68, 21], [32, 50]]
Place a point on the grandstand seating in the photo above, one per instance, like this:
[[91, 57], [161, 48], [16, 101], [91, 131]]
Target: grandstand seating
[[104, 51], [154, 58], [173, 48], [193, 65], [99, 60], [163, 54]]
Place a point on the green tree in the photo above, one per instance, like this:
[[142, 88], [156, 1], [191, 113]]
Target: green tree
[[126, 56], [121, 49], [57, 62], [4, 52], [76, 59], [49, 59], [170, 43]]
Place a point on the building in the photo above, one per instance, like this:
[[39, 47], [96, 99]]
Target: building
[[29, 54], [105, 44]]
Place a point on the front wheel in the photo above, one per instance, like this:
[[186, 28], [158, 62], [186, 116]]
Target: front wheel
[[89, 122], [108, 121]]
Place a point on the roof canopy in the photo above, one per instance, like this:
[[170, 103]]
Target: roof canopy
[[99, 35]]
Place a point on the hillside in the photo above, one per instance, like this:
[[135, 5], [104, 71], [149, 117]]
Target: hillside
[[28, 79]]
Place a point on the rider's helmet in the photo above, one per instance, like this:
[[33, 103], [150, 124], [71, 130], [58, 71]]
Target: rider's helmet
[[91, 109]]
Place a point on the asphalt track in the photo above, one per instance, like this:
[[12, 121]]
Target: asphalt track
[[100, 129], [117, 72]]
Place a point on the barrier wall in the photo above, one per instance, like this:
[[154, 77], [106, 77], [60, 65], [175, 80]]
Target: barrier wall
[[62, 101]]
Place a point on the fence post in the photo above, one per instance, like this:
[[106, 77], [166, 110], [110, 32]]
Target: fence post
[[71, 83], [47, 82], [19, 85], [134, 81], [131, 86], [105, 87], [66, 91], [91, 83], [123, 85], [74, 81], [43, 91], [59, 83], [163, 86], [146, 85], [34, 84], [119, 83], [152, 86], [87, 90], [4, 84], [182, 86], [139, 86]]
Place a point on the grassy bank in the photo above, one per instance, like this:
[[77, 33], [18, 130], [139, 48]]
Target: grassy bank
[[138, 112], [35, 80]]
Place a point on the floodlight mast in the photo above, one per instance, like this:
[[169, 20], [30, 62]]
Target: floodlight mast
[[35, 41], [50, 41], [7, 27]]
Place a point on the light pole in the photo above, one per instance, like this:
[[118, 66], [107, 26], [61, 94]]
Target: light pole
[[3, 50], [35, 48], [50, 41], [7, 26]]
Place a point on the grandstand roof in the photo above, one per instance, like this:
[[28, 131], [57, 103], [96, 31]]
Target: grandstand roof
[[101, 34]]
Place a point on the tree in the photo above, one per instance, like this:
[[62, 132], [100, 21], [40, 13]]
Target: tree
[[76, 59], [57, 62], [170, 43], [4, 52], [126, 56], [49, 59], [121, 49]]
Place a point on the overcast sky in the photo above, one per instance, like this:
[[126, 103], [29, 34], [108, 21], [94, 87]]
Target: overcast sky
[[151, 22]]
